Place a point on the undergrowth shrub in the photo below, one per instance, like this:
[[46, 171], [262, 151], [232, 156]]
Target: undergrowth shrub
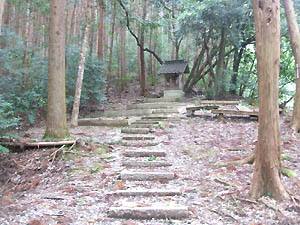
[[24, 83]]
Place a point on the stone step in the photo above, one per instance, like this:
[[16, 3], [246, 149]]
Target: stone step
[[162, 105], [139, 143], [108, 122], [135, 130], [151, 212], [146, 163], [141, 125], [144, 121], [155, 118], [164, 111], [146, 192], [126, 113], [161, 100], [143, 153], [146, 176], [137, 137]]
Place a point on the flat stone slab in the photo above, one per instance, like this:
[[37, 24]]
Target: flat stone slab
[[173, 94], [145, 153], [103, 122], [135, 130], [122, 113], [136, 125], [146, 176], [148, 213], [146, 192], [164, 111], [160, 105], [162, 100], [144, 121], [138, 138], [155, 118], [139, 143], [146, 163]]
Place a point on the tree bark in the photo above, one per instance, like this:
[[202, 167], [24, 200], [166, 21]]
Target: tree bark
[[72, 23], [220, 79], [123, 57], [109, 75], [295, 43], [2, 3], [266, 178], [150, 58], [100, 29], [56, 126], [142, 53], [76, 103], [92, 29]]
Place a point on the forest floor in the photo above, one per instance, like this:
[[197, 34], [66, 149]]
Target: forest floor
[[38, 188]]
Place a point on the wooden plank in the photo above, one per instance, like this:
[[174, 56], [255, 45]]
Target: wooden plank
[[191, 110], [216, 102], [234, 112]]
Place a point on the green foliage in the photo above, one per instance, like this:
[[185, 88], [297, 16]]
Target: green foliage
[[24, 82], [3, 149], [289, 173], [93, 80], [96, 168], [7, 119]]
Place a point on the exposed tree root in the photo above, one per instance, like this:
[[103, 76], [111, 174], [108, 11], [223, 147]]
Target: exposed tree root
[[248, 160]]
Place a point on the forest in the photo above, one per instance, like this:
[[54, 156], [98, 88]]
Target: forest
[[68, 65]]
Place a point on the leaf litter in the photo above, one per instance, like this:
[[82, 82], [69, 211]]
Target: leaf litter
[[72, 190]]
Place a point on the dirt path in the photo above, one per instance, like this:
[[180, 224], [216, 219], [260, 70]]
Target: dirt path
[[74, 190]]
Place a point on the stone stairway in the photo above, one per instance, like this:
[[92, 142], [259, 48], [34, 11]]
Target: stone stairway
[[144, 161]]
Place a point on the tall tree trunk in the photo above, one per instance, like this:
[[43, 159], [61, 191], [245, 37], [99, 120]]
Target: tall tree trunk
[[150, 58], [92, 30], [76, 103], [155, 40], [56, 126], [6, 19], [295, 43], [236, 63], [142, 53], [100, 29], [220, 79], [72, 23], [2, 3], [266, 178], [123, 57], [109, 74]]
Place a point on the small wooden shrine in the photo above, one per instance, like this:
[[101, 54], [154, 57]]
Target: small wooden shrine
[[173, 71]]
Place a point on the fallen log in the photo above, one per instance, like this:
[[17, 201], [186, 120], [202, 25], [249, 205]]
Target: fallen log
[[25, 144]]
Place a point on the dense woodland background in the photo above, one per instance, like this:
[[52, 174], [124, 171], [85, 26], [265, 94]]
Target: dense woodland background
[[217, 38]]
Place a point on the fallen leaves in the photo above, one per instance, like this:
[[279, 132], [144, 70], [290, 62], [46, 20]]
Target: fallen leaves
[[120, 185], [36, 222]]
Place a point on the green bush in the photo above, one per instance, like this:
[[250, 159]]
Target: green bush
[[7, 118], [93, 85], [25, 85]]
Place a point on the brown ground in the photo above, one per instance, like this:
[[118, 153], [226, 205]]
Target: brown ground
[[38, 188]]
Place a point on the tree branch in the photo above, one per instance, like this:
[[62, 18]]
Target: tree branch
[[135, 36]]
